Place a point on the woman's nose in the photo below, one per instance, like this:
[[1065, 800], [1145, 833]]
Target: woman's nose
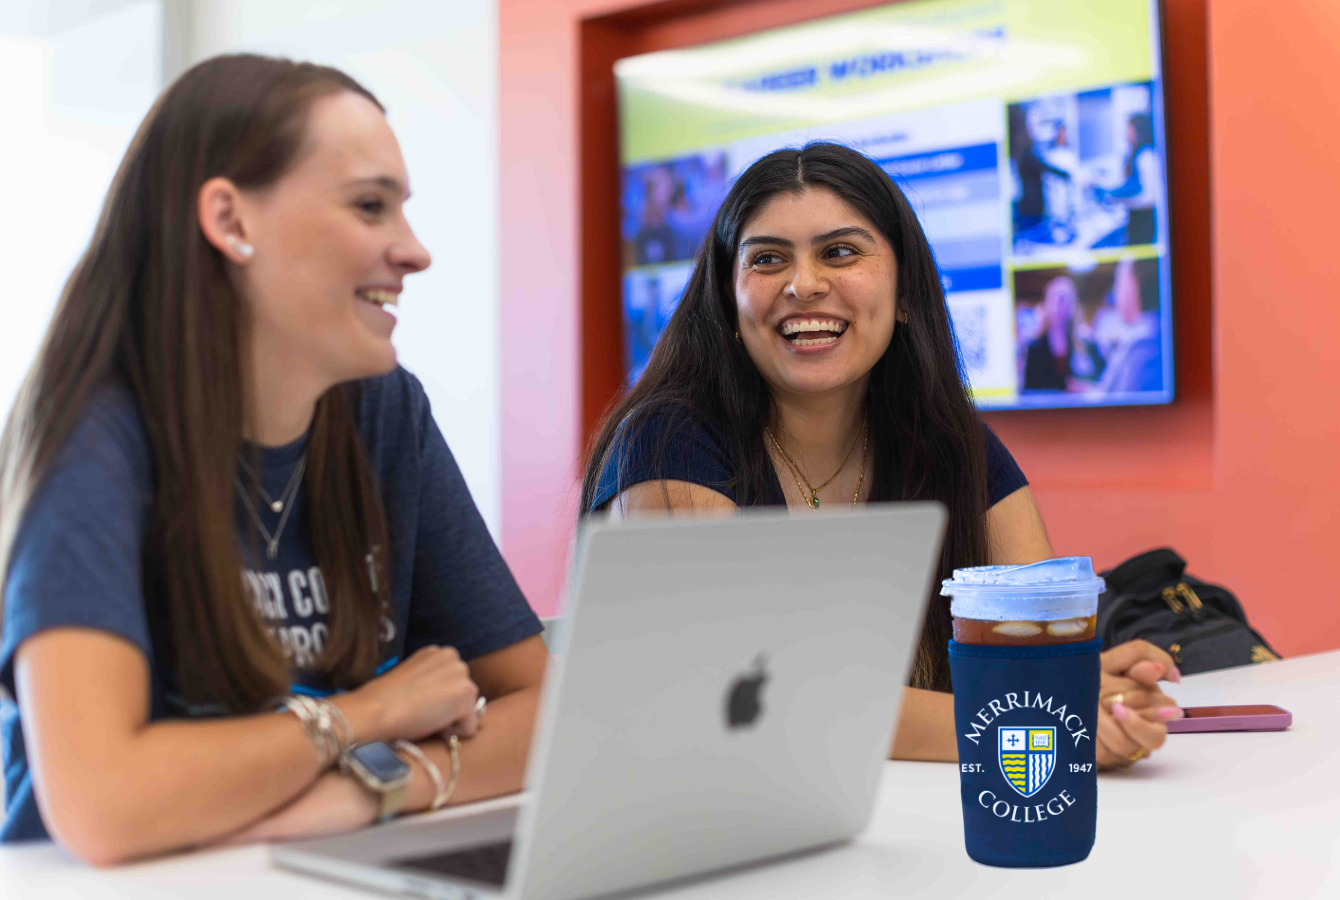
[[409, 255], [807, 282]]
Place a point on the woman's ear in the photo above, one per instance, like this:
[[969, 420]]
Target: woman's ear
[[218, 207]]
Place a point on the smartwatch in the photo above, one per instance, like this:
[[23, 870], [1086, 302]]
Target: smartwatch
[[381, 770]]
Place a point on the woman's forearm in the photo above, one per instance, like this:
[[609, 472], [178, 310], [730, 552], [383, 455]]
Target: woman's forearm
[[493, 762], [112, 787], [925, 727], [179, 784]]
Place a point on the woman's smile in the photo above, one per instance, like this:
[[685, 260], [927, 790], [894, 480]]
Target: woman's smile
[[808, 334]]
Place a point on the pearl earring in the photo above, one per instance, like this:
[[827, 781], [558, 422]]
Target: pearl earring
[[242, 247]]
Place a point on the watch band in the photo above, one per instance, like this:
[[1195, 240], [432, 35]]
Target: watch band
[[390, 794], [392, 799]]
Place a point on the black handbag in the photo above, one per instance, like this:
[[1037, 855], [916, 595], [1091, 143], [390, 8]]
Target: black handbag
[[1201, 625]]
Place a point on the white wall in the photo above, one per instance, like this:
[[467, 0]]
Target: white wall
[[76, 78], [434, 65]]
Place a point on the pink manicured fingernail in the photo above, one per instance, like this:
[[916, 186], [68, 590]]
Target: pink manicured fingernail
[[1120, 712], [1170, 712], [1175, 676]]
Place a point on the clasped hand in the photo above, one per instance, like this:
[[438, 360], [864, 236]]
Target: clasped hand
[[1133, 711], [428, 694]]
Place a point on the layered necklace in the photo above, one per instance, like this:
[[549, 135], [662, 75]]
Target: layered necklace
[[284, 505], [812, 500]]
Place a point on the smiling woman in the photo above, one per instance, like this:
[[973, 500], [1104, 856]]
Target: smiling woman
[[222, 496], [814, 324]]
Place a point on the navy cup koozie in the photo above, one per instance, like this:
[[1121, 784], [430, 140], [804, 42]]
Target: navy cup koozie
[[1026, 717]]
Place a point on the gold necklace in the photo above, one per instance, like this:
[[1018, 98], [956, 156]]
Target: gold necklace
[[812, 501]]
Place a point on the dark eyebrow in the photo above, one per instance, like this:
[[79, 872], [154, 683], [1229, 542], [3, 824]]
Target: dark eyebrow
[[764, 239], [845, 231], [848, 231], [384, 181]]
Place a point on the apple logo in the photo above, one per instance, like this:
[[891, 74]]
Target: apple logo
[[743, 705]]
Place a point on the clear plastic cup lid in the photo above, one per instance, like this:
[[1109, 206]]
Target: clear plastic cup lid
[[1064, 575]]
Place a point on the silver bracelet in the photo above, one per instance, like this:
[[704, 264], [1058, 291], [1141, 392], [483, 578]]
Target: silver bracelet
[[324, 724], [454, 748], [440, 793], [301, 708]]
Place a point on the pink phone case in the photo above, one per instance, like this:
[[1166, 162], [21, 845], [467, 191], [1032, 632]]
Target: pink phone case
[[1278, 720]]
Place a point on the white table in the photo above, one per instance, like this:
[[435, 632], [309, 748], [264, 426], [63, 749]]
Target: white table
[[1212, 815]]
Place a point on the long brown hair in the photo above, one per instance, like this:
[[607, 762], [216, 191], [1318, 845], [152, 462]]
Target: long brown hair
[[150, 306], [925, 439]]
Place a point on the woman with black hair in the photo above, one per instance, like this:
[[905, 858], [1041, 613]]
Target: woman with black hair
[[811, 363], [1139, 193]]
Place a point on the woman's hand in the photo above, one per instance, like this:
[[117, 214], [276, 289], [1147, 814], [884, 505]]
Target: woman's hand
[[334, 804], [1132, 711], [429, 693]]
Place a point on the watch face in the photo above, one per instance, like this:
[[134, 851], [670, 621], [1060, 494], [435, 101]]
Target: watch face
[[381, 761]]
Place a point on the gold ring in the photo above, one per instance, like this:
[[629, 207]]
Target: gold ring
[[1115, 699], [1138, 755]]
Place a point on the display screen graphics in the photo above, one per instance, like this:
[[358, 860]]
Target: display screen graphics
[[1028, 136]]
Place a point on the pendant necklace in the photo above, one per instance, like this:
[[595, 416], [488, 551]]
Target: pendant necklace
[[284, 503], [276, 506], [812, 501]]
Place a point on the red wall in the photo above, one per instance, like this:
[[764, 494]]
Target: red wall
[[1242, 474]]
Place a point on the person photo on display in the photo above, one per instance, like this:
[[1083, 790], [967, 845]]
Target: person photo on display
[[1140, 191], [811, 364], [1030, 207], [1059, 358], [247, 593], [1131, 330]]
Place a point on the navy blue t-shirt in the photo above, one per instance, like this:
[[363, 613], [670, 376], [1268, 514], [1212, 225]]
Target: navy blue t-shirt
[[699, 456], [76, 560]]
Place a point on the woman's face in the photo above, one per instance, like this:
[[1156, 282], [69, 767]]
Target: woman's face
[[1059, 302], [332, 246], [815, 287]]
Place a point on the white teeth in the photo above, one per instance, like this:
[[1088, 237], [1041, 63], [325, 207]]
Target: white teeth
[[812, 342], [378, 296], [794, 326]]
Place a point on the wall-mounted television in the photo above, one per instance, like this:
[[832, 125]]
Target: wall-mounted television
[[1027, 134]]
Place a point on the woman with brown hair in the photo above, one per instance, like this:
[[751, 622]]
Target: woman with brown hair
[[220, 497]]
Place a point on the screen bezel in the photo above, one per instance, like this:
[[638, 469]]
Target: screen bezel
[[1169, 394]]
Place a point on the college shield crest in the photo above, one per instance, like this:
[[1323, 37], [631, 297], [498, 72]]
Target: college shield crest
[[1027, 757]]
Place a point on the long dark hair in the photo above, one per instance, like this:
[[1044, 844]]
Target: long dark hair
[[1143, 125], [150, 306], [925, 440]]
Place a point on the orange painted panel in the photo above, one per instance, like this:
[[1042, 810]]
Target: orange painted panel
[[1240, 474]]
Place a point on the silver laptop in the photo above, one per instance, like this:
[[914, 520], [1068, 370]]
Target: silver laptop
[[725, 691]]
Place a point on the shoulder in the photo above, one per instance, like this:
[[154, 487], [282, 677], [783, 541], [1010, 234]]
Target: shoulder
[[108, 447], [666, 442], [1003, 475], [395, 421], [392, 401], [76, 557]]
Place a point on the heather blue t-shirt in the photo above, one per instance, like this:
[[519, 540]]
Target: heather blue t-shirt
[[76, 560], [699, 455]]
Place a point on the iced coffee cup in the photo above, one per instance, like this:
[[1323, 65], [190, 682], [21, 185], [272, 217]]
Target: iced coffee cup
[[1025, 667], [1050, 602]]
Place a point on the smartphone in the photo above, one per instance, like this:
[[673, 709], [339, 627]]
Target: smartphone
[[1231, 718]]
